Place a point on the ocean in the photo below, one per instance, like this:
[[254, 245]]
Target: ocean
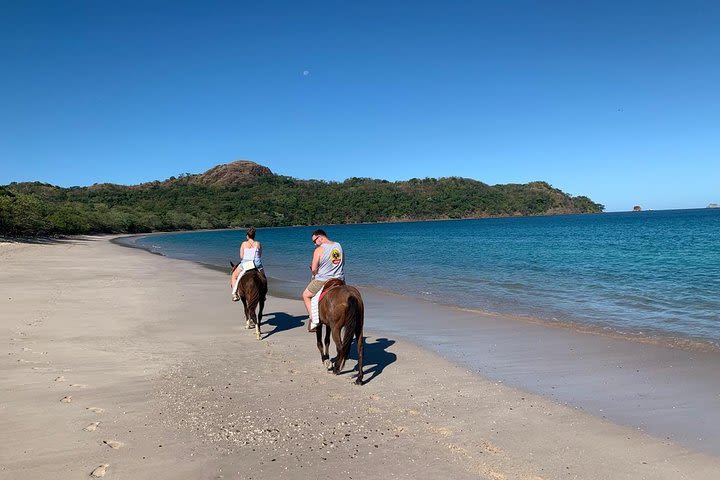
[[652, 273]]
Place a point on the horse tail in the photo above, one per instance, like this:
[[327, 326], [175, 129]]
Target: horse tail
[[354, 316], [251, 290]]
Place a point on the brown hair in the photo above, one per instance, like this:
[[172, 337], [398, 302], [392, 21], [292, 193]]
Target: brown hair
[[251, 233]]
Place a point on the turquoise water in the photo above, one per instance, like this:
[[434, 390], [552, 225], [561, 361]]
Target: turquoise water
[[649, 273]]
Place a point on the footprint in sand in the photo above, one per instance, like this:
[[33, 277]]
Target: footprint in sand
[[92, 427], [95, 409], [66, 399], [60, 379], [78, 385], [99, 471], [26, 349], [114, 444]]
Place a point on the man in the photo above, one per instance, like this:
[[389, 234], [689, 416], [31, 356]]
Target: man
[[328, 262]]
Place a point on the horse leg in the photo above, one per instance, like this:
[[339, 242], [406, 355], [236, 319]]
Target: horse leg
[[358, 336], [255, 320], [326, 356], [318, 337], [247, 316], [340, 357], [262, 305]]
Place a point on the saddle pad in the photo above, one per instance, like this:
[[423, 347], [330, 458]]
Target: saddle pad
[[315, 308], [247, 265]]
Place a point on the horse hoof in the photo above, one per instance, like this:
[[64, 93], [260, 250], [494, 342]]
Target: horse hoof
[[327, 364], [358, 381]]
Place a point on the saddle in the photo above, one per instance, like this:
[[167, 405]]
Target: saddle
[[329, 285]]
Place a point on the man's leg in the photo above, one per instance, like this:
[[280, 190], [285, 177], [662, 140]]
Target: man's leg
[[307, 298]]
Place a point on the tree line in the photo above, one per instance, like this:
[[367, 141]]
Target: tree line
[[34, 208]]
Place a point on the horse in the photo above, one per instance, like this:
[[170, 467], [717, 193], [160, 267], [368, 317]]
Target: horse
[[341, 306], [252, 291]]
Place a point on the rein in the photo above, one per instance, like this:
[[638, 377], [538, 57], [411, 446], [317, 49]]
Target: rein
[[329, 289]]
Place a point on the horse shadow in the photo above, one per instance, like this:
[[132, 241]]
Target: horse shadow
[[375, 356], [282, 322]]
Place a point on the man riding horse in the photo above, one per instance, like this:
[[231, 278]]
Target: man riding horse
[[328, 262]]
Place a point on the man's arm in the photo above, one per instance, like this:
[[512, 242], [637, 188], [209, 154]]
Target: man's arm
[[316, 261]]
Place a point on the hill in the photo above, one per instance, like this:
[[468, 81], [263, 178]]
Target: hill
[[245, 193]]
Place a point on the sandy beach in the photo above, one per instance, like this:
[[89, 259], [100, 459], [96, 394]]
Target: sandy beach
[[113, 356]]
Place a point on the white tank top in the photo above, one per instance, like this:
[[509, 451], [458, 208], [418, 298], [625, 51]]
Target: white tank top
[[252, 253]]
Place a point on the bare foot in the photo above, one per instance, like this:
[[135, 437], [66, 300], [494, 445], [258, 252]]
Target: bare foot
[[99, 471]]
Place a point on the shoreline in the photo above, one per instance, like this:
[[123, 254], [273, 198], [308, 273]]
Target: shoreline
[[646, 336], [664, 373], [157, 344]]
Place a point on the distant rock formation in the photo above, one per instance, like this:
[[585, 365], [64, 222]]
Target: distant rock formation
[[713, 205], [238, 172], [637, 208]]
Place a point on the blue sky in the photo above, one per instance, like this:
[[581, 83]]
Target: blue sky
[[619, 101]]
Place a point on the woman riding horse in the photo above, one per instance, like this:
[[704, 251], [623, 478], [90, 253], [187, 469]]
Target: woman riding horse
[[248, 281]]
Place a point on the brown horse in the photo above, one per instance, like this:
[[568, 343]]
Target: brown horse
[[252, 291], [341, 307]]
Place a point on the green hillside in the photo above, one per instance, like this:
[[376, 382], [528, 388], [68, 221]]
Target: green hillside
[[243, 193]]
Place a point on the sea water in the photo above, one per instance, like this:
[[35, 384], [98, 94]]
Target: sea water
[[654, 273]]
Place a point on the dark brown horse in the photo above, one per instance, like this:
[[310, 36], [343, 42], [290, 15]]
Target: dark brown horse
[[252, 291], [341, 307]]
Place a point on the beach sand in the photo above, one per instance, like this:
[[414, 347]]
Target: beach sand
[[113, 356]]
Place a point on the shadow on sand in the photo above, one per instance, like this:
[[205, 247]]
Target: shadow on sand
[[282, 322], [375, 357], [375, 354]]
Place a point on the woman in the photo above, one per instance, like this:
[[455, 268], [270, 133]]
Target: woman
[[250, 257]]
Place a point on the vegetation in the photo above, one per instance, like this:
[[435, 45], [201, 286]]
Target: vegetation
[[264, 199]]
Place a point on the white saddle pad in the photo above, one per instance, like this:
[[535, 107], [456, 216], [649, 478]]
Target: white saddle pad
[[247, 265], [315, 309]]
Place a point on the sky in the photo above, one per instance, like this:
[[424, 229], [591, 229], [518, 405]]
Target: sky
[[618, 101]]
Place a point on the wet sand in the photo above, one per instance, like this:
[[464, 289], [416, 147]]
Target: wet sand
[[645, 383], [160, 380]]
